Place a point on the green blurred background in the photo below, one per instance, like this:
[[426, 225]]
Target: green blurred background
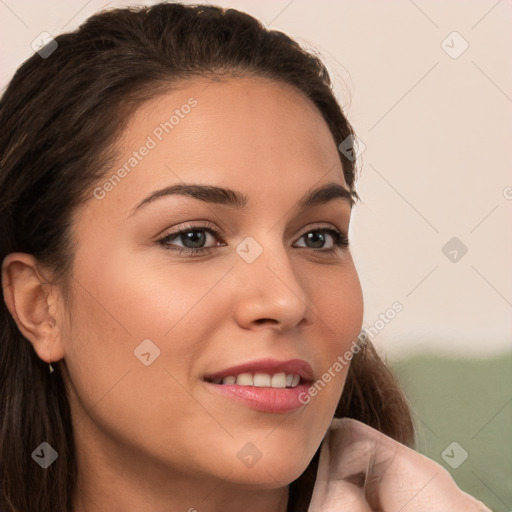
[[469, 402]]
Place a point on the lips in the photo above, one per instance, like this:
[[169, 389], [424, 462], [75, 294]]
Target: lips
[[271, 366], [265, 399]]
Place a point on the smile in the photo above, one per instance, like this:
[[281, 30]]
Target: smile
[[266, 385], [261, 380]]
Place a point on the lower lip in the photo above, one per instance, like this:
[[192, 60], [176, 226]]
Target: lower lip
[[275, 400]]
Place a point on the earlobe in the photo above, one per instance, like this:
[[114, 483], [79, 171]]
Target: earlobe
[[31, 302]]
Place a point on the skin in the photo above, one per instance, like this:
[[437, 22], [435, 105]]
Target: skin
[[154, 438], [374, 473]]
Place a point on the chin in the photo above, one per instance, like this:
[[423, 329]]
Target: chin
[[266, 477], [279, 467]]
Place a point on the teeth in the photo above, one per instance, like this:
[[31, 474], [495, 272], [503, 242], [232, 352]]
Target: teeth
[[262, 380], [279, 380], [245, 379]]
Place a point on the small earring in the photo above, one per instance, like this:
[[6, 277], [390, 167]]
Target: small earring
[[51, 368]]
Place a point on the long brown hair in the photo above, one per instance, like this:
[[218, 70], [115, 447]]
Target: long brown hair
[[59, 118]]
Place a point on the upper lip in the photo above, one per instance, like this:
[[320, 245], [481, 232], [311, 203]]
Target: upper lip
[[272, 366]]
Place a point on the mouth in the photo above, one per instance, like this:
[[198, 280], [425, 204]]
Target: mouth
[[260, 380], [265, 385]]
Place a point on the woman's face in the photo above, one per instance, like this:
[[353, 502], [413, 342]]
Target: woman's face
[[149, 324]]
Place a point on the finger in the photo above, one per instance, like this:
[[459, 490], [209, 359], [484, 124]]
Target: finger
[[353, 460], [396, 476], [332, 493], [393, 476], [358, 448]]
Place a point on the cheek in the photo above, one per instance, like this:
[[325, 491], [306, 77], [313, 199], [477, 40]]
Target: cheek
[[339, 303], [114, 312], [122, 304], [138, 298], [338, 300]]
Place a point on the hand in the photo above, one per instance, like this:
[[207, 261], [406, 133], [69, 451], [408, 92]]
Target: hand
[[363, 470]]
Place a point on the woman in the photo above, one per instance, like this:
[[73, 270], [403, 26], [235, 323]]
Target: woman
[[181, 317]]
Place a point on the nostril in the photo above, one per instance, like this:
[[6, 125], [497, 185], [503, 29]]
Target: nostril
[[263, 320]]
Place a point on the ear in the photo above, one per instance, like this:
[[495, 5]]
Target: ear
[[32, 301]]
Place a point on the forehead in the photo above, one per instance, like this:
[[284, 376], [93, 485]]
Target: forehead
[[251, 134]]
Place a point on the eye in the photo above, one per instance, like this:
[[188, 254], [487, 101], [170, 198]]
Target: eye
[[316, 238], [193, 238]]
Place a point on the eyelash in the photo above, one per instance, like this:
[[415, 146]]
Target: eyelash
[[340, 240]]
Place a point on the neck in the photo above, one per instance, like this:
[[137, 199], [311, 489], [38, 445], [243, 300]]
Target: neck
[[120, 480], [194, 497]]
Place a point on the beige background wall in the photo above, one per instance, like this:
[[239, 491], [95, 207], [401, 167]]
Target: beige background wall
[[437, 164]]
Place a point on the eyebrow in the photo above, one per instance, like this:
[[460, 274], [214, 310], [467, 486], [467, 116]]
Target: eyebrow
[[232, 198]]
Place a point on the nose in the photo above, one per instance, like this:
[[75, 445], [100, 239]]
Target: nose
[[271, 292]]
